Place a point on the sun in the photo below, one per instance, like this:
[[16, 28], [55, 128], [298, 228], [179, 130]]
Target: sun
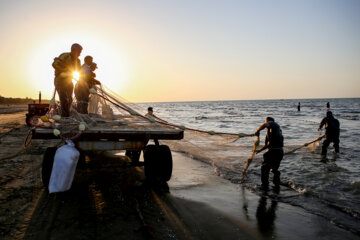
[[113, 70], [76, 75]]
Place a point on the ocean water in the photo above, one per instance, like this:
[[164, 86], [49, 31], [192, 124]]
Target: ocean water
[[329, 188]]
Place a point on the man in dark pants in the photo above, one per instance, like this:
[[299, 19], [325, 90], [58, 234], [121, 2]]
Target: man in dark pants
[[274, 143], [332, 132], [64, 66]]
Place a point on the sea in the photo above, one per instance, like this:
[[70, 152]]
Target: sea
[[328, 187]]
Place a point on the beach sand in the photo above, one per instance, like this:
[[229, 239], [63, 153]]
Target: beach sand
[[110, 199]]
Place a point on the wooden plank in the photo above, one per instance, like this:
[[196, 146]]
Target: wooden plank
[[111, 145], [116, 134]]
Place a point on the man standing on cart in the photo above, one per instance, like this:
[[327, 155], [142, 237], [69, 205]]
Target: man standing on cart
[[65, 65], [87, 80]]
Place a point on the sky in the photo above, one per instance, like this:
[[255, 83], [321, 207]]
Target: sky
[[162, 50]]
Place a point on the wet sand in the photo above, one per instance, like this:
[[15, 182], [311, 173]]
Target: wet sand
[[110, 199]]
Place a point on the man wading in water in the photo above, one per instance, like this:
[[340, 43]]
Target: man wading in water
[[274, 143], [332, 132]]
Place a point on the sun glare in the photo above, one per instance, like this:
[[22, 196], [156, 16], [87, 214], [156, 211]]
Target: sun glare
[[112, 71], [76, 75]]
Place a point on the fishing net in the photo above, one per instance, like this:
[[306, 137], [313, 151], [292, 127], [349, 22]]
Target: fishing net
[[226, 152]]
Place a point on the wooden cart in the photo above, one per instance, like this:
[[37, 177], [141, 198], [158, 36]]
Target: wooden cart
[[133, 138]]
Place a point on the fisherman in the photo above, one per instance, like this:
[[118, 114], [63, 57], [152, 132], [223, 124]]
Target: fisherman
[[65, 65], [86, 82], [332, 132], [298, 107], [150, 113], [274, 143], [328, 105]]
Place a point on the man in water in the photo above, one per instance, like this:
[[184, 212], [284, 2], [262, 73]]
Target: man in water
[[328, 105], [150, 113], [64, 66], [332, 132], [274, 143]]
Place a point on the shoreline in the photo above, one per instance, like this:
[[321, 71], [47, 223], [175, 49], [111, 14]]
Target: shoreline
[[107, 202], [261, 216]]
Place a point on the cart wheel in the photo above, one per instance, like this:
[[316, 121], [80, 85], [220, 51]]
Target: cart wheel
[[82, 160], [158, 162], [134, 155], [47, 164]]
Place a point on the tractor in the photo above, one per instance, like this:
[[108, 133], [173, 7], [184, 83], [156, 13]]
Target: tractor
[[36, 110]]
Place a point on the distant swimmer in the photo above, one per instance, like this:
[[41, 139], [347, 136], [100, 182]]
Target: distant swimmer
[[65, 65], [274, 143], [328, 105], [298, 107], [332, 132]]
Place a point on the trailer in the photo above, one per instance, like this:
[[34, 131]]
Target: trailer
[[130, 133]]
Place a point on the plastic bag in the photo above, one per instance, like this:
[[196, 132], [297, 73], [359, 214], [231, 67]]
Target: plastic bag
[[63, 171]]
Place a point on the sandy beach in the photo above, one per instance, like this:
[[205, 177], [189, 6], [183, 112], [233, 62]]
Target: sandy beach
[[110, 199]]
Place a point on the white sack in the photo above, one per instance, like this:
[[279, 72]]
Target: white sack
[[63, 171]]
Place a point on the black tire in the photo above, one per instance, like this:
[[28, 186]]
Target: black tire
[[47, 164], [82, 160], [158, 163]]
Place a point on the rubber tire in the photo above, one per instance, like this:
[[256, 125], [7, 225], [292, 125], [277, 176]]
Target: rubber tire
[[158, 163], [47, 164], [81, 164]]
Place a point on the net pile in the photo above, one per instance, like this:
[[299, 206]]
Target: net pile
[[106, 111]]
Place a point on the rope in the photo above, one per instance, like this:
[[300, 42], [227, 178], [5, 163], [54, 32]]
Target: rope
[[305, 144], [28, 137], [256, 144], [249, 160]]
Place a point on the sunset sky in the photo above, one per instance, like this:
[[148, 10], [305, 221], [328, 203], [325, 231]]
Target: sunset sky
[[187, 50]]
